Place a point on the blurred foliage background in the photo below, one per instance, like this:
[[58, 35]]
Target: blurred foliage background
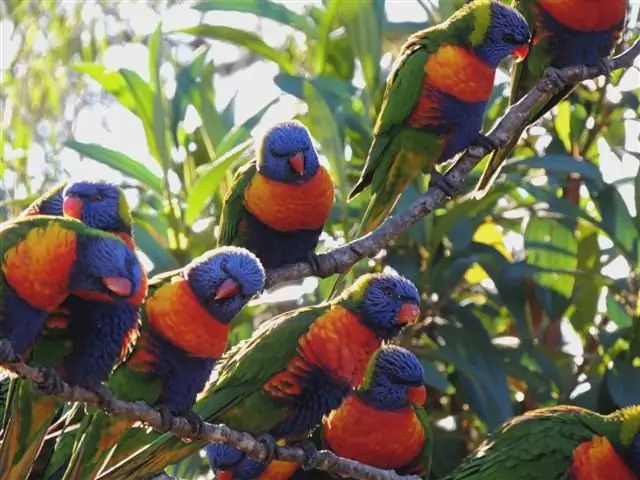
[[530, 296]]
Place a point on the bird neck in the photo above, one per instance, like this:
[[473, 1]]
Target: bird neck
[[175, 313]]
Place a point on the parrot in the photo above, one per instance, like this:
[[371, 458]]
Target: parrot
[[99, 205], [293, 370], [92, 267], [434, 102], [278, 203], [381, 423], [565, 33], [559, 443], [185, 328]]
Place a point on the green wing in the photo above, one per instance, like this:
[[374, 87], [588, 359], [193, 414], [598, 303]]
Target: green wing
[[530, 447], [427, 450], [400, 96], [236, 397], [233, 209]]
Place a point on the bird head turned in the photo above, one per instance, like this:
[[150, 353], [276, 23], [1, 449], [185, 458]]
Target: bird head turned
[[224, 280], [225, 457], [107, 270], [286, 153], [386, 302], [100, 205], [394, 379], [496, 31]]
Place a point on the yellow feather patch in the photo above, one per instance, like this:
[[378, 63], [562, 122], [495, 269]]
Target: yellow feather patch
[[482, 22], [630, 424], [38, 267]]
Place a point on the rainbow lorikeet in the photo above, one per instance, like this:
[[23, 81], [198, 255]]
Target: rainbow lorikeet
[[382, 423], [45, 259], [435, 99], [79, 347], [278, 204], [294, 369], [185, 327], [559, 443], [565, 33]]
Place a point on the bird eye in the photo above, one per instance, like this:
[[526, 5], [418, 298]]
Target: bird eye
[[224, 266], [277, 154], [509, 38], [96, 197], [389, 292]]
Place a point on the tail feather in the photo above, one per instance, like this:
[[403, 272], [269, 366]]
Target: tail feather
[[28, 417]]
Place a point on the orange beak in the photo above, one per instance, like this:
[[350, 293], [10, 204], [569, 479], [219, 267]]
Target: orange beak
[[297, 163], [417, 395], [521, 52], [408, 314], [226, 289], [118, 285], [72, 207]]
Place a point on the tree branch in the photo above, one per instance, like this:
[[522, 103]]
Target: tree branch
[[342, 258], [140, 411]]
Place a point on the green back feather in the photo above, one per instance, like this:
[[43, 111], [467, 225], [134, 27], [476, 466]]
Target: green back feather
[[233, 209]]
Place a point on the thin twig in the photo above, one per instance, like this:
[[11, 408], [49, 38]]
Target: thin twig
[[342, 258], [140, 411]]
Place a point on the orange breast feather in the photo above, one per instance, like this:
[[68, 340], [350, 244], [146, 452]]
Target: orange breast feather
[[586, 15], [278, 470], [324, 346], [597, 459], [458, 72], [174, 311], [291, 207], [382, 439], [38, 267]]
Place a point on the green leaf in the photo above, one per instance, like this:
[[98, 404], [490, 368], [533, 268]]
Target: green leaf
[[119, 161], [262, 8], [636, 185], [159, 114], [243, 132], [188, 78], [560, 165], [207, 182], [623, 380], [550, 244], [112, 81], [586, 293], [562, 124], [617, 313], [435, 378], [244, 39], [151, 243]]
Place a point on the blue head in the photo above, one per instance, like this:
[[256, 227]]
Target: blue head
[[226, 457], [99, 205], [286, 154], [225, 279], [106, 269], [496, 30], [635, 454], [393, 380], [386, 302]]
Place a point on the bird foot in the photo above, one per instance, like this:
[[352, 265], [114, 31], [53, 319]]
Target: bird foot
[[196, 422], [605, 65], [552, 79], [7, 355], [314, 262], [310, 452], [107, 399], [51, 383], [442, 183], [485, 142], [167, 417], [270, 445]]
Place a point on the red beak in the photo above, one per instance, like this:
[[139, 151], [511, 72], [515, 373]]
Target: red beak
[[521, 52], [72, 207], [417, 395], [297, 163], [226, 289], [118, 285], [408, 314]]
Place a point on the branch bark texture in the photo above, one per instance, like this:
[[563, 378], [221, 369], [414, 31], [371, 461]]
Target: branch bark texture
[[340, 259]]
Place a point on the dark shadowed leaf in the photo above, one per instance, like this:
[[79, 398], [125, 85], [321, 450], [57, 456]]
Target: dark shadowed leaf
[[623, 380]]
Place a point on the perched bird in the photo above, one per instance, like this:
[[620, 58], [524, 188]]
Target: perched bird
[[565, 33], [435, 99], [45, 259], [185, 327], [278, 204], [383, 422], [559, 443], [294, 369]]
